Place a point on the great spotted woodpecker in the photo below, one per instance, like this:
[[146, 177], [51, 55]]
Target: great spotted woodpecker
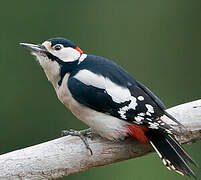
[[109, 100]]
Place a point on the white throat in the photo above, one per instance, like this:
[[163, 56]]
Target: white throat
[[52, 68]]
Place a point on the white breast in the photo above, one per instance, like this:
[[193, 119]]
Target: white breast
[[105, 125]]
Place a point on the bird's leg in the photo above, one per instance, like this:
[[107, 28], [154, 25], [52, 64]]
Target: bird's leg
[[83, 134]]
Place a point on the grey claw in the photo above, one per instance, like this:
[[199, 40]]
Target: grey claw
[[82, 134]]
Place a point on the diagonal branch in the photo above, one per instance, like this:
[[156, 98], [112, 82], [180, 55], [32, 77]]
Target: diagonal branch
[[68, 155]]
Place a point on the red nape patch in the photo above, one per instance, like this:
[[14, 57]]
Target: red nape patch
[[138, 132], [79, 50]]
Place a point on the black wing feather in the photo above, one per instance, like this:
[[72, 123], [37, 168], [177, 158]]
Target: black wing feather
[[93, 97], [99, 100], [158, 102]]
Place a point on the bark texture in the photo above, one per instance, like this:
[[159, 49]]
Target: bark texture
[[68, 155]]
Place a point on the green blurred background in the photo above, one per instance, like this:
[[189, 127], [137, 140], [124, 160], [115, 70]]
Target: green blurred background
[[158, 42]]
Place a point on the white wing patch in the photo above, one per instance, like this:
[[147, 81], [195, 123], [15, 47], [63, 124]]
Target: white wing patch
[[149, 108], [89, 78], [140, 98], [124, 109], [118, 93], [153, 125], [139, 119]]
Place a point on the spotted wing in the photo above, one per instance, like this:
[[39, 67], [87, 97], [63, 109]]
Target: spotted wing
[[112, 90]]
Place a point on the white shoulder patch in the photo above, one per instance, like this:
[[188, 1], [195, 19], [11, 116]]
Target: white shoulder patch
[[118, 93], [89, 78]]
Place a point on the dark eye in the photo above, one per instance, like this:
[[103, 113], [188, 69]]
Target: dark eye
[[57, 47]]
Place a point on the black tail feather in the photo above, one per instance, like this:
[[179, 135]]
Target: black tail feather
[[179, 161], [172, 154], [185, 154]]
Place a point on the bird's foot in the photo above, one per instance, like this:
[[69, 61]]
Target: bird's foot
[[83, 134]]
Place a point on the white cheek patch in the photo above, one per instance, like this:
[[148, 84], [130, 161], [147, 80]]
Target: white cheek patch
[[66, 54]]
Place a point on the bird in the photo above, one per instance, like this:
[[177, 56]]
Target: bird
[[109, 100]]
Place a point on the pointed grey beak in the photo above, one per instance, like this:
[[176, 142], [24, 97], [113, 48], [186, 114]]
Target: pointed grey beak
[[34, 48]]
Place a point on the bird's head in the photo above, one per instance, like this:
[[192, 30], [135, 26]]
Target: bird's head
[[57, 56]]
